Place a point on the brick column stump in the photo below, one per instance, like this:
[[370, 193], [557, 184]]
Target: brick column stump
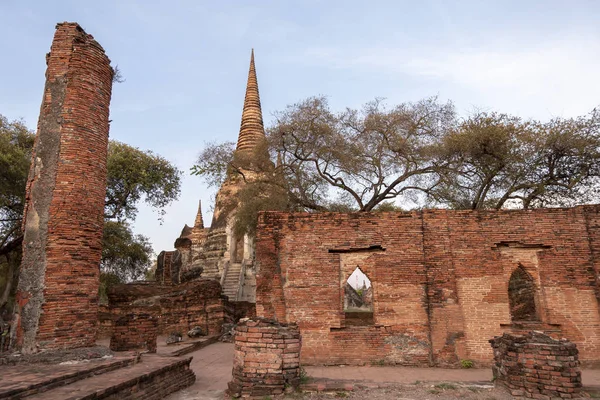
[[266, 360], [135, 329], [536, 366]]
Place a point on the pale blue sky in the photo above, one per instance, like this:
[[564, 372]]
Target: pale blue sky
[[186, 64]]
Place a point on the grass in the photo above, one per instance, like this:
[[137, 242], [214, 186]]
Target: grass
[[341, 394], [466, 364], [304, 377], [445, 386]]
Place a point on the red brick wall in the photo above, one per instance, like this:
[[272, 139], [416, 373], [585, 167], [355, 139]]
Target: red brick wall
[[180, 307], [65, 198], [440, 280]]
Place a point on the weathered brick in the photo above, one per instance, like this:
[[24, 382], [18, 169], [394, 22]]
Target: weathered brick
[[57, 294], [264, 370], [525, 382], [439, 277]]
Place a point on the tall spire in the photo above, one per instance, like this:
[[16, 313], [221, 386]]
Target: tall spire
[[251, 130], [199, 223]]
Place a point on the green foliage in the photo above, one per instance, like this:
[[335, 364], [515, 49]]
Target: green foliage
[[134, 175], [107, 280], [386, 206], [16, 142], [466, 364], [304, 377], [124, 255]]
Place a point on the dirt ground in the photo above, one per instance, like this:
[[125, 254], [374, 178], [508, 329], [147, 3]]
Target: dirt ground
[[427, 391]]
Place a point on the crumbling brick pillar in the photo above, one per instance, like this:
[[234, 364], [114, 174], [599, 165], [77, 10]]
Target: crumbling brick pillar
[[266, 359], [536, 366], [135, 328], [57, 294]]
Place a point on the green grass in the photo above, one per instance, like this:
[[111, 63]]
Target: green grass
[[445, 386], [304, 377]]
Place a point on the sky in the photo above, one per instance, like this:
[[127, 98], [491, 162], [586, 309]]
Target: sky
[[185, 65]]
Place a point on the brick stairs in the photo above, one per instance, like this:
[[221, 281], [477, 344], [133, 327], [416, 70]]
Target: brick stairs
[[231, 283], [149, 377]]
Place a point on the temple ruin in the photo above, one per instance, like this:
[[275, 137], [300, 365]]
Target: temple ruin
[[215, 252], [442, 283]]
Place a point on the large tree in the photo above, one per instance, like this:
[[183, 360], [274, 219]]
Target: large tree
[[499, 161], [419, 154], [134, 176], [351, 160]]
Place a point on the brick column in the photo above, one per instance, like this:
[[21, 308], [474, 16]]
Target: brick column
[[266, 359], [57, 294], [135, 328], [536, 366]]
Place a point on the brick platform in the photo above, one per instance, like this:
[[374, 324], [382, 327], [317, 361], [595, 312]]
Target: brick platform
[[537, 366], [150, 378], [266, 359]]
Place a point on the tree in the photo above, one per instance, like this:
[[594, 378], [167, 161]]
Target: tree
[[498, 160], [352, 160], [361, 157], [16, 142], [133, 176], [124, 255]]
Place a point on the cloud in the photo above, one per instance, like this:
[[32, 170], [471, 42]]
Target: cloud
[[563, 73]]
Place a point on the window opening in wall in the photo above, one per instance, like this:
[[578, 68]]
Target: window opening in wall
[[358, 299], [521, 296]]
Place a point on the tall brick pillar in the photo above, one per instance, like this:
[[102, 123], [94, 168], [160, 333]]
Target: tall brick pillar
[[57, 294]]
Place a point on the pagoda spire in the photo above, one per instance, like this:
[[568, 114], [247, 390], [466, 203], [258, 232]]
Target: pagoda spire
[[252, 130], [199, 223]]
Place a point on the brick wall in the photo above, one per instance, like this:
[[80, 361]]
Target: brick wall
[[266, 358], [57, 295], [537, 366], [440, 280], [179, 307]]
